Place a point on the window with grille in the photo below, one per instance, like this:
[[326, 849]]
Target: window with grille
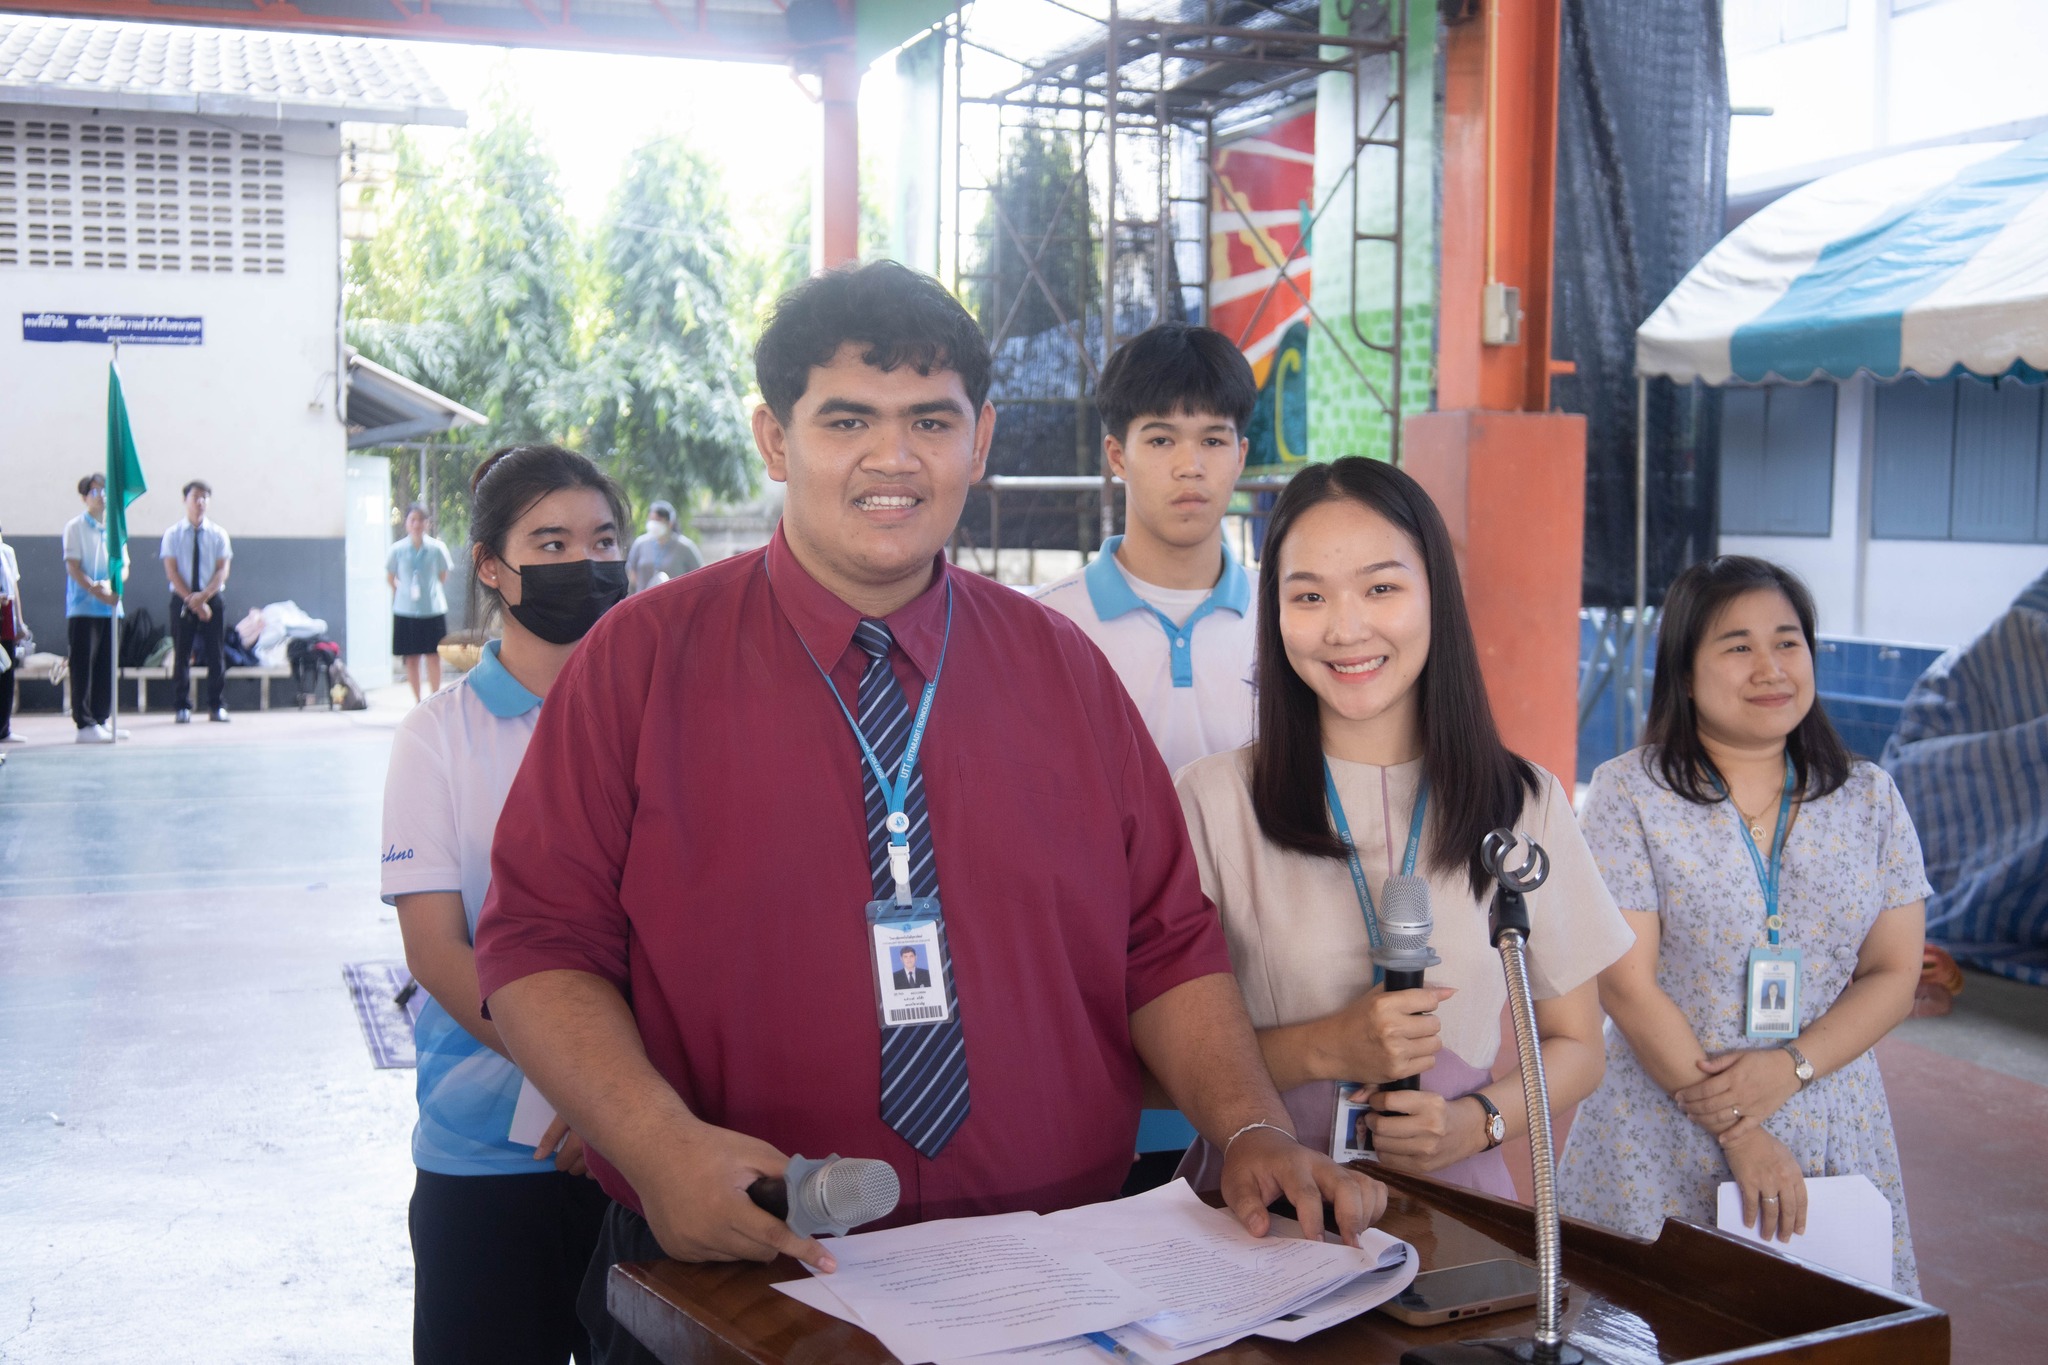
[[140, 194]]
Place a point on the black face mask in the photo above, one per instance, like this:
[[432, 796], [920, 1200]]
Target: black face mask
[[561, 602]]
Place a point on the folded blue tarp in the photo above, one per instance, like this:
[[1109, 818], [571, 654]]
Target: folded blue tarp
[[1971, 760]]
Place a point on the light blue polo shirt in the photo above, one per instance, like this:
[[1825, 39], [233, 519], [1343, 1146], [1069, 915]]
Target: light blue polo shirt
[[85, 540], [452, 762], [1186, 658]]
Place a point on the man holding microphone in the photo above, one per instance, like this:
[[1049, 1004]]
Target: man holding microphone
[[883, 753]]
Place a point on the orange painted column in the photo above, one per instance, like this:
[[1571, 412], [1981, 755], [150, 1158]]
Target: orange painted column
[[838, 209], [1512, 488], [1509, 475]]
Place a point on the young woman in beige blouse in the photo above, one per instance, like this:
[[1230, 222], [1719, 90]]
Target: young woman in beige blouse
[[1369, 689]]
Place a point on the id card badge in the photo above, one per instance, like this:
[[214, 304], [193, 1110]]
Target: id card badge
[[416, 593], [1350, 1138], [1772, 997], [910, 972]]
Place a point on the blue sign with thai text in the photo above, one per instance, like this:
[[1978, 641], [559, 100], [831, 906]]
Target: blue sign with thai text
[[139, 329]]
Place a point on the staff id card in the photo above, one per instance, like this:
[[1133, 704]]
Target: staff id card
[[1772, 999], [910, 970], [1350, 1138]]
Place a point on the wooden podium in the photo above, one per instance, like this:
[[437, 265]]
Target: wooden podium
[[1694, 1294]]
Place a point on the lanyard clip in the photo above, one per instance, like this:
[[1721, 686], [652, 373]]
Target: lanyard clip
[[899, 868]]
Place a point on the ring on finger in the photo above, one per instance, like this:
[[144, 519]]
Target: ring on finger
[[1736, 1112], [1770, 1198]]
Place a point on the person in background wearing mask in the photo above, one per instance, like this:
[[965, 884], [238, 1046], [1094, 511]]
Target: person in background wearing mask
[[663, 553], [89, 610], [502, 1231], [417, 570], [13, 630]]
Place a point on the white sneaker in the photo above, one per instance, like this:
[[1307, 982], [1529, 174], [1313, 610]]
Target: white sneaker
[[95, 734]]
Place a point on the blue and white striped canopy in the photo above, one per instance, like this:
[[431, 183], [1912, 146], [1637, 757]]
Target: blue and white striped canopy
[[1931, 261]]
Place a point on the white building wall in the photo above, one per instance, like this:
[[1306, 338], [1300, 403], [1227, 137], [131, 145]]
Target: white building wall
[[1878, 80], [1918, 592], [251, 410]]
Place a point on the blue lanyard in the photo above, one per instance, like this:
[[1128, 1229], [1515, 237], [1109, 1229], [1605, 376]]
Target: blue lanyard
[[896, 793], [1767, 877], [1365, 906]]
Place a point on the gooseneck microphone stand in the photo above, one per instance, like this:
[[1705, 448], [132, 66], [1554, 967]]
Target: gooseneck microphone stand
[[1511, 938]]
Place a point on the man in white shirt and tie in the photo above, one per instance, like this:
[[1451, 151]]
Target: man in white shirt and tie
[[196, 554]]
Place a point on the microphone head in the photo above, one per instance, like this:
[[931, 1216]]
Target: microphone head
[[843, 1192], [1405, 925]]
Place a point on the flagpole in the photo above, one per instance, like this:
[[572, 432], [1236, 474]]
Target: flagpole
[[114, 624]]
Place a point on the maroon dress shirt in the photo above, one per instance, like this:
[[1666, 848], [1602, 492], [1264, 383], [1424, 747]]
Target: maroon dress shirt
[[689, 825]]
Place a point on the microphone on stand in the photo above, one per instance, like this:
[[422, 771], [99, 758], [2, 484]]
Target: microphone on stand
[[829, 1196], [1404, 952]]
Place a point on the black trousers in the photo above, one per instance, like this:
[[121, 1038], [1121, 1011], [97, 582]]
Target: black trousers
[[212, 637], [92, 682], [7, 693], [497, 1262], [625, 1237]]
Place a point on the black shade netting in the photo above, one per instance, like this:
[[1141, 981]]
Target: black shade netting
[[1642, 153]]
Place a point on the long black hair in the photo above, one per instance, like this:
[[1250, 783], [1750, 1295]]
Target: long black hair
[[508, 483], [1476, 785], [1820, 761]]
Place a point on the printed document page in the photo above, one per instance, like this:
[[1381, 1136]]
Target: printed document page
[[967, 1286], [1212, 1277]]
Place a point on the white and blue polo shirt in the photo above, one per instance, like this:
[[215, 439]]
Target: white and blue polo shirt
[[452, 761], [1186, 657]]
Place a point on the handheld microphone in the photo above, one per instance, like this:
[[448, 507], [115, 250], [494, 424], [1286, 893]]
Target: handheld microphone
[[1404, 952], [829, 1196]]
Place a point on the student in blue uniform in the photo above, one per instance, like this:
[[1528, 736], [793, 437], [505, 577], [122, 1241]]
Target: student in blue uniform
[[501, 1235], [1167, 602]]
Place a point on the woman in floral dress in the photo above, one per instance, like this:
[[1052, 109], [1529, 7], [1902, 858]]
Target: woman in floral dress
[[1743, 784]]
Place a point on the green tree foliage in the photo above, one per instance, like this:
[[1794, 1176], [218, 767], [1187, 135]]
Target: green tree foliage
[[1036, 203], [665, 375], [629, 344]]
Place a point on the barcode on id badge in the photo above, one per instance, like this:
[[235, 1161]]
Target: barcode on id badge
[[917, 1013]]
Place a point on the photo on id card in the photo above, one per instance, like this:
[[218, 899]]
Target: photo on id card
[[910, 975], [1350, 1138]]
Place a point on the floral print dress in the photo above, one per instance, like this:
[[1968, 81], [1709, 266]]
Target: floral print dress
[[1634, 1158]]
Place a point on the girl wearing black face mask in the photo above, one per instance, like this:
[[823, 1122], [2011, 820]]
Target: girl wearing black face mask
[[504, 1216]]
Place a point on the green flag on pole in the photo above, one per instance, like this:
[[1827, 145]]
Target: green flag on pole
[[124, 478]]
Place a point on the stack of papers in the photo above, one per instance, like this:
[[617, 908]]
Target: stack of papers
[[1159, 1278]]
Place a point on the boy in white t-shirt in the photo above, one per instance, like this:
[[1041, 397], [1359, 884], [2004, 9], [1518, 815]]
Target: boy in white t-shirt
[[1167, 602]]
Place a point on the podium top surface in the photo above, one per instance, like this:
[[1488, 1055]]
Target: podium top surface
[[1694, 1294]]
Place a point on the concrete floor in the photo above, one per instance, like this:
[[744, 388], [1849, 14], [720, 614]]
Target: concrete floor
[[206, 1167]]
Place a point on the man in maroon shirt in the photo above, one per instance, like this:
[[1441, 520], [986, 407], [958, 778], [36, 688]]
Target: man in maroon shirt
[[681, 944]]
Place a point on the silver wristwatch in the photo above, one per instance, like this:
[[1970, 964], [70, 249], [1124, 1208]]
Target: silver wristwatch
[[1801, 1068]]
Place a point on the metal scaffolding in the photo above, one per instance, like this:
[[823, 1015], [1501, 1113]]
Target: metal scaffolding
[[1137, 113]]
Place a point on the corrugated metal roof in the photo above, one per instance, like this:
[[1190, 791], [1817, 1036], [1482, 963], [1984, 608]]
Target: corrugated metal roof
[[221, 72]]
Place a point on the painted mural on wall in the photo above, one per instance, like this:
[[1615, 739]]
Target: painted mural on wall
[[1354, 275], [1260, 202], [1278, 431]]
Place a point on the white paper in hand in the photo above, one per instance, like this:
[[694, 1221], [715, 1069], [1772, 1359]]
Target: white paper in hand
[[1848, 1227], [531, 1116]]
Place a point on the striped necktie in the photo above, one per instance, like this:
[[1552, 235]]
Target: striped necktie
[[924, 1066]]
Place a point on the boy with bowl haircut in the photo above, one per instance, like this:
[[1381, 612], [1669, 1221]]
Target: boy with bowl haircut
[[1167, 602]]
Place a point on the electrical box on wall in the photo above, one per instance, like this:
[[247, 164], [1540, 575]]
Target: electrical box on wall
[[1500, 320]]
